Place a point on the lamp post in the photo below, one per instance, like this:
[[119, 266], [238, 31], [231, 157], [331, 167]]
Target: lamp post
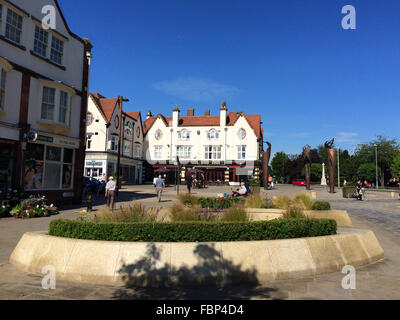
[[338, 168], [376, 164], [120, 100]]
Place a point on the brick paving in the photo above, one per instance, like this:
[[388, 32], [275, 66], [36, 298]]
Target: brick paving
[[379, 213]]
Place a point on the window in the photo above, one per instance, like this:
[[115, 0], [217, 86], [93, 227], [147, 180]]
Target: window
[[241, 134], [48, 103], [89, 118], [57, 49], [89, 142], [157, 152], [184, 152], [158, 135], [128, 132], [127, 150], [13, 26], [41, 41], [213, 134], [2, 89], [63, 107], [48, 167], [137, 151], [212, 152], [184, 135], [114, 144], [241, 152]]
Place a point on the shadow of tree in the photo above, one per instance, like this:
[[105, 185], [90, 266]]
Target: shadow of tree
[[212, 277]]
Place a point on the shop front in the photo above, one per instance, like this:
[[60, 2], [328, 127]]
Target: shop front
[[49, 165]]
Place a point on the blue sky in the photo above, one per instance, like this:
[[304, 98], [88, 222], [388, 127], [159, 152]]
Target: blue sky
[[291, 61]]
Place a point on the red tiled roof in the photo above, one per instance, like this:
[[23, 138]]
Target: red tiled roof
[[133, 114], [105, 106], [198, 121]]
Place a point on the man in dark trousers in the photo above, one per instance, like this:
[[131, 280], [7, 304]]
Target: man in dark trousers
[[189, 181]]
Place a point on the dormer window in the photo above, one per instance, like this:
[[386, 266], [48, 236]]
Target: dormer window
[[184, 135], [213, 134]]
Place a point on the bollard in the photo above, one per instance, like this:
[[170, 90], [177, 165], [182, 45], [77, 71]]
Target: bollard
[[313, 195], [89, 202]]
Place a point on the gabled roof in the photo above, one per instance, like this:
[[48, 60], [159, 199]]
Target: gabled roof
[[209, 121], [105, 106], [134, 114]]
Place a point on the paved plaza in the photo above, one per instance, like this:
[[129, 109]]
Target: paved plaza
[[379, 213]]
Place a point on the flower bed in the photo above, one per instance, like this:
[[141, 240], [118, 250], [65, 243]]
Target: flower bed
[[218, 203], [33, 207], [193, 231]]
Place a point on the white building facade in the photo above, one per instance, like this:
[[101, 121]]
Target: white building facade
[[102, 140], [44, 77], [227, 147]]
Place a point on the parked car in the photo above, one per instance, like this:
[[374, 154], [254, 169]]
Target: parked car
[[90, 184], [299, 182]]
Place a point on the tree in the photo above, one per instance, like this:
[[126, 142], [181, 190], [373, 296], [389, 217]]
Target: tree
[[367, 171], [387, 150], [396, 166], [278, 163]]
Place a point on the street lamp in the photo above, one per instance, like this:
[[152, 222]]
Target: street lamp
[[376, 164], [120, 100]]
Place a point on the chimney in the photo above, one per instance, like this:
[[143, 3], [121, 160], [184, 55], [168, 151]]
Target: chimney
[[149, 115], [190, 112], [222, 120], [175, 117], [207, 113]]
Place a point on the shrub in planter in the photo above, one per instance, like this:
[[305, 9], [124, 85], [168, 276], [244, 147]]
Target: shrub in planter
[[5, 210], [235, 213], [321, 205], [218, 203], [192, 231], [188, 199]]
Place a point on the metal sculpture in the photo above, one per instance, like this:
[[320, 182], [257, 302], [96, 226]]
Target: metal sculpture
[[265, 161], [331, 164], [307, 160]]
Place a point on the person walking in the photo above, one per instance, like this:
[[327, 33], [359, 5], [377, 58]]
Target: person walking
[[189, 182], [110, 193], [160, 187]]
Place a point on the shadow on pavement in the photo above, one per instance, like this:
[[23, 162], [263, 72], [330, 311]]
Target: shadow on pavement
[[212, 277]]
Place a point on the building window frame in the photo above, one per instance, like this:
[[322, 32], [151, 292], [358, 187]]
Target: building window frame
[[45, 163], [57, 50], [61, 103], [41, 41], [13, 26], [158, 152], [241, 152], [212, 134], [212, 152], [184, 135], [184, 152]]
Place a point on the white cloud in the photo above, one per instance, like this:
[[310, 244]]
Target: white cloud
[[196, 89], [347, 137]]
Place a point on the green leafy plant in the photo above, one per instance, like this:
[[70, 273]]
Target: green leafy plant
[[321, 205], [180, 212], [5, 210], [254, 201], [294, 211], [135, 212], [282, 202], [192, 231]]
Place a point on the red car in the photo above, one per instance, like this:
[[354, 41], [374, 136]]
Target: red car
[[299, 182]]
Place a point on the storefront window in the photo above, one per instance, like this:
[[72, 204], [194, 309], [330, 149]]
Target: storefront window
[[55, 172]]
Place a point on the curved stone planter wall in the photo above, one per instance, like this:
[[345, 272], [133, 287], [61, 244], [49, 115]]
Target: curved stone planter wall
[[340, 216], [148, 264]]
